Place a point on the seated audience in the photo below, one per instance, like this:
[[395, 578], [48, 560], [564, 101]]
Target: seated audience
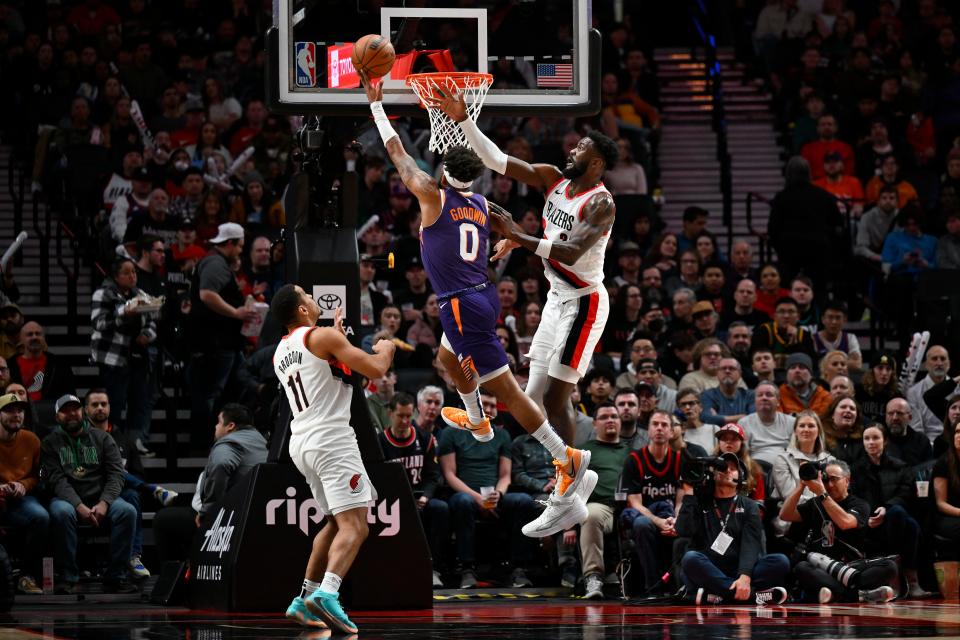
[[727, 402], [768, 430], [800, 392]]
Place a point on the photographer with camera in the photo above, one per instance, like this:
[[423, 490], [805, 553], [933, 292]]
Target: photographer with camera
[[725, 560], [833, 568]]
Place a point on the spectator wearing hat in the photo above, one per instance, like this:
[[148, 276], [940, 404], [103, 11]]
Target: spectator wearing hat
[[742, 309], [833, 337], [783, 336], [42, 373], [217, 312], [157, 221], [731, 438], [845, 187], [84, 471], [193, 113], [652, 321], [123, 344], [826, 142], [738, 570], [648, 372], [131, 205], [257, 206], [767, 430], [878, 386], [948, 246], [400, 201], [629, 261], [705, 320], [727, 402], [20, 511], [800, 392], [623, 321], [11, 321], [597, 387], [413, 298]]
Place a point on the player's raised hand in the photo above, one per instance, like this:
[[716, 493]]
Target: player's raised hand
[[338, 320], [374, 88], [502, 249], [501, 221], [452, 103]]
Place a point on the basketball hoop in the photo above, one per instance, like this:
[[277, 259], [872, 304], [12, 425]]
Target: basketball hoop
[[444, 132]]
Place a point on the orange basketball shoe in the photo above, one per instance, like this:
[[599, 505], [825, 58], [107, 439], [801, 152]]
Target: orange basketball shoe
[[458, 419]]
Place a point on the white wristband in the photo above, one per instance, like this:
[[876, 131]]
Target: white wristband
[[382, 122], [543, 248]]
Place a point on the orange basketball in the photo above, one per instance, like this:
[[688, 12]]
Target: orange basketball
[[373, 54]]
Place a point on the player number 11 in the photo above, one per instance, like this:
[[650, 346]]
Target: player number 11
[[293, 383]]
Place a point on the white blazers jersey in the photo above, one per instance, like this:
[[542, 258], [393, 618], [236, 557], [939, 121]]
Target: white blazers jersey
[[562, 213], [318, 390]]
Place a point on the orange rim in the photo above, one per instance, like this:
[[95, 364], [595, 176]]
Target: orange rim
[[459, 78]]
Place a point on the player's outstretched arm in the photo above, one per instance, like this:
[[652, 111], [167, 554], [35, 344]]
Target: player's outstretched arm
[[540, 176], [598, 214], [327, 342], [420, 184]]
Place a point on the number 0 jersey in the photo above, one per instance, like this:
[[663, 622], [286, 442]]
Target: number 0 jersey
[[562, 213], [454, 248], [318, 390]]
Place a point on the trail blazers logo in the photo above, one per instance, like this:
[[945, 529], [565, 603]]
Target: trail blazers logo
[[356, 484]]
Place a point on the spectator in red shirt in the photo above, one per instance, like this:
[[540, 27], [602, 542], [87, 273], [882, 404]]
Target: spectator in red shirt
[[814, 152], [846, 188], [92, 17], [240, 136], [45, 376]]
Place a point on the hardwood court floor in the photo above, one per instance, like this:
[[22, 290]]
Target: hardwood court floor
[[531, 619]]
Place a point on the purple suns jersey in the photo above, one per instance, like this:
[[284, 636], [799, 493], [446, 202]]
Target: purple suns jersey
[[454, 248]]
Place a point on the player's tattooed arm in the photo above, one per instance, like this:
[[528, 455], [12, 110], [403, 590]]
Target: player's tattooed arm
[[598, 215]]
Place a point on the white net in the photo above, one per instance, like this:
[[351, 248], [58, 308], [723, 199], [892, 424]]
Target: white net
[[444, 132]]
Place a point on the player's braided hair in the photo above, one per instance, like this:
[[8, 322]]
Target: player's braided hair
[[606, 147], [284, 305], [463, 163]]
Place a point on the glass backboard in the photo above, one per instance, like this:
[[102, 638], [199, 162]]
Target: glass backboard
[[543, 55]]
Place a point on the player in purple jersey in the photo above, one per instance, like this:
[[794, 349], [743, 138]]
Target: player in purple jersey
[[454, 233]]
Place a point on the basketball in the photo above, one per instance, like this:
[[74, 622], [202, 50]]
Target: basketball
[[373, 54]]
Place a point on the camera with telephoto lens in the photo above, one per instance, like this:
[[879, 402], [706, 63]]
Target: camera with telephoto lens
[[699, 471], [839, 571], [809, 470]]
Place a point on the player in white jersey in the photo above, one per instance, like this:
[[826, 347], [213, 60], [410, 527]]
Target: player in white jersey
[[577, 219], [314, 367]]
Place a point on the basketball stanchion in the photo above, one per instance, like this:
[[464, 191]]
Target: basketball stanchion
[[444, 132]]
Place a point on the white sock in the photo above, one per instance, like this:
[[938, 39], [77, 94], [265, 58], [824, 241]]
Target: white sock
[[331, 583], [309, 586], [549, 439], [471, 401]]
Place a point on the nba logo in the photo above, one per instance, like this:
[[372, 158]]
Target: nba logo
[[306, 64]]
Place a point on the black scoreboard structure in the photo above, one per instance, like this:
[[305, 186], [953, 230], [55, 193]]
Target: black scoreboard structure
[[251, 552]]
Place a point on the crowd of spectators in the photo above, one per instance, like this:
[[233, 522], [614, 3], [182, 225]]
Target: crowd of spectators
[[703, 353]]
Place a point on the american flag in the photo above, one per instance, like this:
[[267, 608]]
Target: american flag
[[554, 75]]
